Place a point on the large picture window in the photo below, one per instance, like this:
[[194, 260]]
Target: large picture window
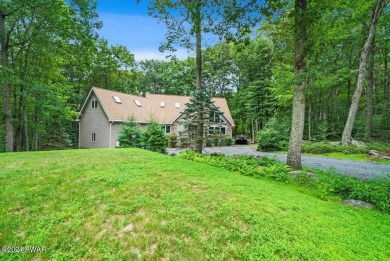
[[217, 130]]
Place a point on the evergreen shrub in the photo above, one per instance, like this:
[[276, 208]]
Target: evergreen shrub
[[154, 138], [130, 135], [184, 141], [209, 142], [172, 140]]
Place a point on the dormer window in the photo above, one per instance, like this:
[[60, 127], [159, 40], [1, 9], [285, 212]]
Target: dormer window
[[162, 104], [177, 105], [94, 104], [138, 103], [117, 99]]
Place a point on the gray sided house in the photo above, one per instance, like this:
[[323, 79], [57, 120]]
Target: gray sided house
[[104, 110]]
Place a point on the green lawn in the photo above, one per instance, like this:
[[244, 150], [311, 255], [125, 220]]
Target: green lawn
[[129, 203]]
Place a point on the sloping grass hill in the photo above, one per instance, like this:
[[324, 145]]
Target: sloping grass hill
[[128, 204]]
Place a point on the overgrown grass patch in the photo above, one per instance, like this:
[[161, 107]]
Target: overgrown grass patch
[[346, 152], [129, 204], [325, 147]]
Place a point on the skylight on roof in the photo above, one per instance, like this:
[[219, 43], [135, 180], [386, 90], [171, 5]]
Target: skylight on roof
[[162, 104], [177, 104], [138, 103], [117, 99]]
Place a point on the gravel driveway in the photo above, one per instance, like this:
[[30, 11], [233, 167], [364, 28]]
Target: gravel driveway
[[360, 169]]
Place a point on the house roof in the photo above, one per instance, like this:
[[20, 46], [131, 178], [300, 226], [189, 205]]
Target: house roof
[[162, 108]]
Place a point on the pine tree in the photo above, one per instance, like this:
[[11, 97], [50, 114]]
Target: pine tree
[[200, 104]]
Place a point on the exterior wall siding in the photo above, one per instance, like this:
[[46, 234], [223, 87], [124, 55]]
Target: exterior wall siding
[[94, 120]]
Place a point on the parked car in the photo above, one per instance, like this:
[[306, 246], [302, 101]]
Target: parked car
[[241, 139]]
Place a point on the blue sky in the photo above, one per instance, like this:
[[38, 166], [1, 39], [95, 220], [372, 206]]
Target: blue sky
[[126, 23]]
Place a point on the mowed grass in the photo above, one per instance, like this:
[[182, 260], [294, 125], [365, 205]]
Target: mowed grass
[[128, 204]]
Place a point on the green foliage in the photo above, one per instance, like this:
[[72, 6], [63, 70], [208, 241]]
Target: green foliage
[[216, 140], [167, 77], [209, 142], [245, 165], [229, 141], [274, 136], [200, 113], [375, 191], [154, 138], [321, 133], [184, 141], [268, 140], [324, 147], [254, 101], [130, 135], [172, 140]]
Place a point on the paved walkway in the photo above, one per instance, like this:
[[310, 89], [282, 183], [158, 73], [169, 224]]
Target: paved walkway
[[360, 169]]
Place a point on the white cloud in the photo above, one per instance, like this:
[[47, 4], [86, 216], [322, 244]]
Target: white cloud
[[142, 35], [149, 54]]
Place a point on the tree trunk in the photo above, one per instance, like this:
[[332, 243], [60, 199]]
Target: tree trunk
[[347, 133], [35, 135], [309, 124], [386, 78], [9, 127], [25, 129], [298, 110], [198, 30], [370, 87]]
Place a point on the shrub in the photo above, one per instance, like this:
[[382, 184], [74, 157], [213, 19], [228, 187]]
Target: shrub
[[184, 141], [324, 147], [216, 140], [130, 135], [375, 191], [209, 142], [222, 140], [154, 138], [268, 140], [229, 141], [172, 140], [245, 165]]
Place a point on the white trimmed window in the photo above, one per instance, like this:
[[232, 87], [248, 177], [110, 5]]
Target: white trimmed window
[[166, 128], [217, 130], [93, 137], [94, 104]]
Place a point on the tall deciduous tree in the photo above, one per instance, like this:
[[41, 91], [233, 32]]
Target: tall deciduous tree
[[298, 112], [30, 30], [188, 21], [376, 12]]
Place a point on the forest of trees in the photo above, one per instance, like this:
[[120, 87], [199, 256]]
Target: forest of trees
[[329, 55]]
